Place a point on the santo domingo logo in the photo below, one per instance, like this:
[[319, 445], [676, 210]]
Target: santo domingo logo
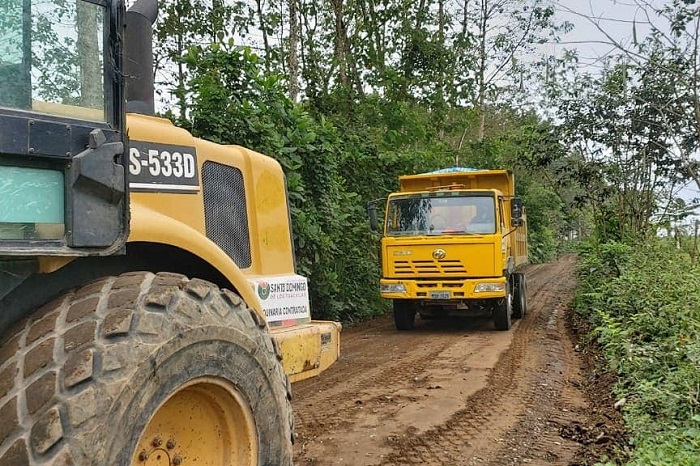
[[264, 290]]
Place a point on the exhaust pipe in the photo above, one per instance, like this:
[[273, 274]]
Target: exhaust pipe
[[138, 57]]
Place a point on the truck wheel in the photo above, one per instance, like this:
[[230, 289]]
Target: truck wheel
[[144, 369], [404, 314], [519, 296], [503, 309]]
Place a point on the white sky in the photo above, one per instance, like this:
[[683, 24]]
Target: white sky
[[617, 17]]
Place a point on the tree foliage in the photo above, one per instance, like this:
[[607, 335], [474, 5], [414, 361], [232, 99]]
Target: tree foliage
[[666, 68], [375, 89], [632, 126], [332, 175]]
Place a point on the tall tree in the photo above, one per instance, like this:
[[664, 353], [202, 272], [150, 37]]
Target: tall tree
[[292, 52], [340, 41], [670, 51], [506, 30], [613, 121], [263, 26], [183, 24]]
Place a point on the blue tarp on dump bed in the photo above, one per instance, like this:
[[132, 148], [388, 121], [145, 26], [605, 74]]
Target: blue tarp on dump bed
[[452, 170]]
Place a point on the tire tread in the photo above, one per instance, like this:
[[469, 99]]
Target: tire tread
[[83, 348]]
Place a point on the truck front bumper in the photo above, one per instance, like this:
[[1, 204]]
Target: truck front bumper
[[308, 349], [436, 289]]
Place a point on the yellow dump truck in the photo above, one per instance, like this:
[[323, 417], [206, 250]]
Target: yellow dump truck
[[453, 243], [150, 311]]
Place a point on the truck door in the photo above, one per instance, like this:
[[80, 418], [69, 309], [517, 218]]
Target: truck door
[[501, 216]]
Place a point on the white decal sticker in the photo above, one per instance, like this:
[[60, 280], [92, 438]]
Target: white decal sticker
[[283, 298], [162, 167]]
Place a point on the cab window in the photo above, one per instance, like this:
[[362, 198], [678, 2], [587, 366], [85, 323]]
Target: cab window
[[51, 57]]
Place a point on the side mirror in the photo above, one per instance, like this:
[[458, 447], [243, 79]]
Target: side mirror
[[516, 208], [516, 222], [373, 221]]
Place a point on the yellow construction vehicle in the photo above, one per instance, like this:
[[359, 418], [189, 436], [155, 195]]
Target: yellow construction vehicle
[[150, 313], [453, 243]]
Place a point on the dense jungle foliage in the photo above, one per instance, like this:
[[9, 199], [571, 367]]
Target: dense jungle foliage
[[346, 115]]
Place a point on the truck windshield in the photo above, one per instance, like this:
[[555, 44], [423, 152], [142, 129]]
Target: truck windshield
[[51, 57], [438, 215]]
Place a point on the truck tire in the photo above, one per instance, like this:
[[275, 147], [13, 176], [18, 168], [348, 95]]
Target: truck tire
[[519, 296], [144, 366], [503, 309], [404, 314]]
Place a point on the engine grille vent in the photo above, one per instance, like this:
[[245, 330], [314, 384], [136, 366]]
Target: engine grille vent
[[420, 267], [225, 214]]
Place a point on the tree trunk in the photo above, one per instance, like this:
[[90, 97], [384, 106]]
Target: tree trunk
[[293, 58], [340, 42], [263, 29], [181, 89], [352, 66], [459, 53], [441, 40], [309, 63], [689, 163], [90, 56], [481, 72], [440, 99], [375, 43]]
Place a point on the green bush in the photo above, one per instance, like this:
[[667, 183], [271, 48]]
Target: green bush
[[643, 300]]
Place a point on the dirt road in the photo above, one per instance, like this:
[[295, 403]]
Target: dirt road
[[451, 392]]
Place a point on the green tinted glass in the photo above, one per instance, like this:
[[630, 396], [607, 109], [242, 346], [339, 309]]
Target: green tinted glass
[[31, 203]]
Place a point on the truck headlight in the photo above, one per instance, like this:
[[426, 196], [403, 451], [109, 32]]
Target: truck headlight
[[392, 288], [489, 287]]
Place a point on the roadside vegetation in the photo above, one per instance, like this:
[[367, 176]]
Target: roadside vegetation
[[642, 300], [635, 127]]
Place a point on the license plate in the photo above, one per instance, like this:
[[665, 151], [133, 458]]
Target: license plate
[[440, 295]]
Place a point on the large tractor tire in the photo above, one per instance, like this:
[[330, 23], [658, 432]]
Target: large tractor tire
[[519, 296], [144, 369], [503, 309], [404, 314]]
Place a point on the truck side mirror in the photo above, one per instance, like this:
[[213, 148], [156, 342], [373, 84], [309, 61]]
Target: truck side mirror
[[373, 221], [516, 222], [516, 208]]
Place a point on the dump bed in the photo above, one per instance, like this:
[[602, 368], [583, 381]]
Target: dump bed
[[501, 180]]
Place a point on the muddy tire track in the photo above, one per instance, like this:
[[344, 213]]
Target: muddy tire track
[[452, 392]]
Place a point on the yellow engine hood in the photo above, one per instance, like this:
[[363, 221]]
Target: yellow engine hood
[[441, 257]]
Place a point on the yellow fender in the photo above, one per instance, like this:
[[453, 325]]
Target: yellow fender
[[149, 226], [306, 349]]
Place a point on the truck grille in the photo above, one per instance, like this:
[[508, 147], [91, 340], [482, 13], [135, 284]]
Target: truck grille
[[425, 267], [225, 214]]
